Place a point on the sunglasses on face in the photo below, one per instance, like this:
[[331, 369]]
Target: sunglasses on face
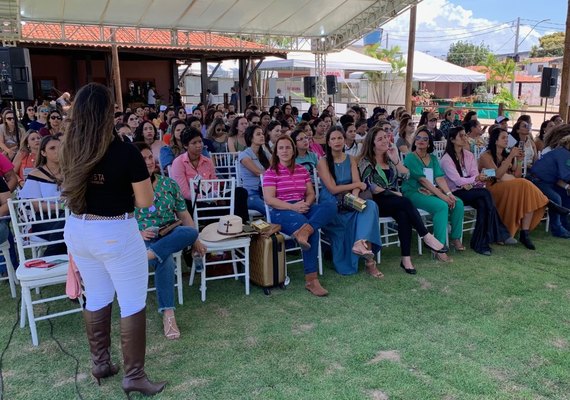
[[44, 110], [30, 109], [55, 117], [422, 138]]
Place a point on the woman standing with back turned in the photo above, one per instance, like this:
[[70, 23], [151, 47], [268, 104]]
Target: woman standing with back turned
[[104, 179]]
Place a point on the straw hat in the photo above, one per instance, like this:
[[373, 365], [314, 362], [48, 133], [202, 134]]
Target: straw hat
[[228, 227]]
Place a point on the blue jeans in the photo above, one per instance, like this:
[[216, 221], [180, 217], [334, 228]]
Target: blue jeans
[[164, 266], [318, 216], [255, 201], [558, 224]]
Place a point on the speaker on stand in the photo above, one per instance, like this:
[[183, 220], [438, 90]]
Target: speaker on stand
[[15, 74], [548, 85], [310, 86]]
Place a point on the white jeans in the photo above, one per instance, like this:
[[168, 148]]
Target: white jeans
[[111, 256]]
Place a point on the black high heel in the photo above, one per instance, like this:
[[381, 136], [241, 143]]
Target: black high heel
[[444, 249], [411, 271]]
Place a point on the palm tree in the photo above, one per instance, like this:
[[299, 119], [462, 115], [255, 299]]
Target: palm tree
[[382, 82]]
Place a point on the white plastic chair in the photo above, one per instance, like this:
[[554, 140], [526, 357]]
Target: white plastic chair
[[11, 278], [225, 163], [218, 196], [253, 214], [35, 278], [439, 148]]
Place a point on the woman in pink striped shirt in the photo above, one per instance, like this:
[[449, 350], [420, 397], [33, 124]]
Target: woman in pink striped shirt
[[288, 190]]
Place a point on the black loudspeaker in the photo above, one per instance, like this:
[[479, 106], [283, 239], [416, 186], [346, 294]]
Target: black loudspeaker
[[15, 74], [310, 86], [549, 82], [332, 87]]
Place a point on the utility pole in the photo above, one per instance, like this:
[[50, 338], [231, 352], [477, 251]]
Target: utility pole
[[410, 60], [515, 55], [565, 84]]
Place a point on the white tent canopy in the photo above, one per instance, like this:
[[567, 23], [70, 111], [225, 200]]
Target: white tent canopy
[[431, 69], [344, 60], [337, 21], [227, 69]]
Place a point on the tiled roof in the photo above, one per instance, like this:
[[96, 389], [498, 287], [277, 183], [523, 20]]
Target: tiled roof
[[99, 36], [541, 59], [519, 78]]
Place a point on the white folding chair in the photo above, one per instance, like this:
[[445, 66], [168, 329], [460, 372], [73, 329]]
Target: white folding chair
[[253, 214], [213, 198], [11, 278], [388, 234], [225, 163], [44, 210], [178, 272]]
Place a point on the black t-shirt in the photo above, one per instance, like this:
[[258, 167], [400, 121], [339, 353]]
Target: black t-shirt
[[110, 191]]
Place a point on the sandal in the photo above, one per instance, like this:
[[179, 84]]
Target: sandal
[[443, 257], [372, 270], [361, 249], [456, 243], [171, 330]]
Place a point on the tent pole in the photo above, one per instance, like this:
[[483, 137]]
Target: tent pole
[[116, 71]]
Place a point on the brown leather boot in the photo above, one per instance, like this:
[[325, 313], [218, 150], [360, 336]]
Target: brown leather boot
[[133, 342], [98, 328], [302, 236], [313, 285]]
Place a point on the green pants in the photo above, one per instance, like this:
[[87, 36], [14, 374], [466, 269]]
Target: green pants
[[440, 213]]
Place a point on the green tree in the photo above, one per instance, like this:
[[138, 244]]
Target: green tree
[[382, 83], [499, 72], [549, 46], [466, 54]]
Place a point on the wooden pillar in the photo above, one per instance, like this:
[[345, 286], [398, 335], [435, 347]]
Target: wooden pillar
[[410, 63], [565, 84], [116, 72], [204, 78], [88, 69], [242, 83]]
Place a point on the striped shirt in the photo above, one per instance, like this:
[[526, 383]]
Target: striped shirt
[[288, 187]]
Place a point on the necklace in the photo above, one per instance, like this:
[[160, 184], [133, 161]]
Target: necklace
[[338, 163], [422, 159]]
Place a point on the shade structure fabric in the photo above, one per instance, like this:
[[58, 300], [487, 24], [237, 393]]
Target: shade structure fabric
[[431, 69], [344, 60]]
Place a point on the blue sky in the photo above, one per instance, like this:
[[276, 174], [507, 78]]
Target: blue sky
[[492, 22]]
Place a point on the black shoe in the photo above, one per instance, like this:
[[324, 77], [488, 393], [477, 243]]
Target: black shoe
[[558, 209], [444, 249], [524, 238], [411, 271]]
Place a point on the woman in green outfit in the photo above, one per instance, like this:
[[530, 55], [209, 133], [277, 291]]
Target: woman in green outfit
[[428, 190]]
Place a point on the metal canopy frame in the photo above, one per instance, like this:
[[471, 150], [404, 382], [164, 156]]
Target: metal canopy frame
[[281, 26]]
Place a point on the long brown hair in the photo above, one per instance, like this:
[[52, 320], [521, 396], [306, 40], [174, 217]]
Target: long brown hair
[[88, 137], [368, 151]]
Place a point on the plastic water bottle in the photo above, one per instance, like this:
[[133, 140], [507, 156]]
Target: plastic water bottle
[[198, 263]]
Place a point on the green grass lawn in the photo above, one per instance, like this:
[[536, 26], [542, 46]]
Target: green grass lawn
[[481, 328]]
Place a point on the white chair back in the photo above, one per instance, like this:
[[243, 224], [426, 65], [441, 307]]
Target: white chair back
[[27, 213], [439, 148], [212, 198], [226, 164]]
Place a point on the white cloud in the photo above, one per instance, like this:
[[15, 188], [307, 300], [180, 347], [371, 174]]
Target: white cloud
[[441, 23]]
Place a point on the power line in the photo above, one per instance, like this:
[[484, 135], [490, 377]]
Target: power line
[[476, 32]]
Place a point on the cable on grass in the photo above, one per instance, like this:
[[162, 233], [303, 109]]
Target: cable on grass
[[67, 354], [6, 348]]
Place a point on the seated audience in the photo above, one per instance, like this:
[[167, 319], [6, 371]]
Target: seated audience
[[252, 163], [428, 190], [168, 208], [288, 190], [352, 234], [519, 203], [380, 167]]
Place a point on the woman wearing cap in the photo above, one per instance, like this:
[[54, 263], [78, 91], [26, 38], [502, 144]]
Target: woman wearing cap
[[353, 234], [428, 190], [168, 208], [519, 203], [449, 121], [432, 127], [104, 179], [288, 190], [380, 167], [466, 183]]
